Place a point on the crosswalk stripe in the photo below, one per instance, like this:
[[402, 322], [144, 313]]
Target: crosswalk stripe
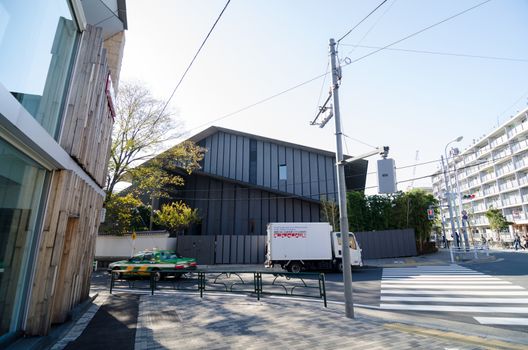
[[443, 278], [454, 289], [456, 292], [456, 308], [443, 286], [443, 282], [457, 300], [514, 321], [448, 274]]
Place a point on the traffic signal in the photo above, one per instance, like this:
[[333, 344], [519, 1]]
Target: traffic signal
[[468, 196], [430, 214]]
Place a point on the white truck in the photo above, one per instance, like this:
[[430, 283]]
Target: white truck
[[297, 246]]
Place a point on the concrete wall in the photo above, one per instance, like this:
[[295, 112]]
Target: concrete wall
[[124, 246]]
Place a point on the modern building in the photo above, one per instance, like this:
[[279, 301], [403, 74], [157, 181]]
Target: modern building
[[247, 181], [492, 172], [58, 62]]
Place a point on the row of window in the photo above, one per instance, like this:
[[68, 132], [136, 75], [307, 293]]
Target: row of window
[[38, 41]]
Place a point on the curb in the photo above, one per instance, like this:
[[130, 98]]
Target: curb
[[462, 338], [485, 336]]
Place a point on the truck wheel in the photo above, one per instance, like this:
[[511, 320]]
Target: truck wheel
[[339, 266], [295, 267]]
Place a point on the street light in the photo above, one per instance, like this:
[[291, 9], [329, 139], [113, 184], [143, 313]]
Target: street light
[[448, 183]]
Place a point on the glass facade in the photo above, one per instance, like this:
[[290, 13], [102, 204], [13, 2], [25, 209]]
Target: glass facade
[[22, 185], [37, 44]]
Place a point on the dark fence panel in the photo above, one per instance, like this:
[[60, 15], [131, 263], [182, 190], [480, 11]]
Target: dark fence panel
[[224, 249], [250, 249], [200, 247], [387, 244]]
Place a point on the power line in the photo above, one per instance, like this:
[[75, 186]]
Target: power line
[[367, 16], [194, 58], [261, 101], [441, 53], [419, 32], [324, 74], [323, 84], [357, 140], [375, 24]]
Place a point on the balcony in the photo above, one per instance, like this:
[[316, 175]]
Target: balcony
[[518, 146], [483, 151], [499, 141], [507, 186], [516, 130]]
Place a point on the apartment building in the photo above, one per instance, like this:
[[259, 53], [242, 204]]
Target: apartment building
[[59, 60], [492, 172]]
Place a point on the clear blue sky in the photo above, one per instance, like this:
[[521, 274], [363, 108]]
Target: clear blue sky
[[408, 101]]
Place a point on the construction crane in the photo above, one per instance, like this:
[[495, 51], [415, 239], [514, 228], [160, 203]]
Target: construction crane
[[411, 185]]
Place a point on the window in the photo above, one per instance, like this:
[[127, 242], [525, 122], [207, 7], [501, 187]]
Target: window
[[283, 173], [22, 183], [37, 45]]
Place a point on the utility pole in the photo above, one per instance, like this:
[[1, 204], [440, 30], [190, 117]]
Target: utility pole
[[448, 197], [341, 186]]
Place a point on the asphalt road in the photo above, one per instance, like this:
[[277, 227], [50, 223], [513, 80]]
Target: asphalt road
[[441, 297]]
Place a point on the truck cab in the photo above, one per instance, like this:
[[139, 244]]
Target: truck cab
[[355, 250]]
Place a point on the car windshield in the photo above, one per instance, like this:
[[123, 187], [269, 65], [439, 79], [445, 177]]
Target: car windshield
[[136, 258], [169, 255]]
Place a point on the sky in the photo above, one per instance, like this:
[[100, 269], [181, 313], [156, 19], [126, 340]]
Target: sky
[[415, 103]]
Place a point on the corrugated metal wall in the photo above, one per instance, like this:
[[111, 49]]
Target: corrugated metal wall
[[309, 174], [228, 208]]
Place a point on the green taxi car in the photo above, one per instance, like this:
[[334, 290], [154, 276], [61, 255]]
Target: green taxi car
[[162, 262]]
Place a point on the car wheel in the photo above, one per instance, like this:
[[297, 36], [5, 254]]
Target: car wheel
[[157, 275], [295, 267]]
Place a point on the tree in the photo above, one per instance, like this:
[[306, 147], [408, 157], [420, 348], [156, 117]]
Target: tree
[[176, 216], [156, 177], [330, 213], [379, 212], [122, 215], [141, 128], [497, 221], [414, 204], [357, 211]]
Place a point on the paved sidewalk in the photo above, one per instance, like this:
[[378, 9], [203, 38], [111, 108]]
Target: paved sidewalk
[[441, 257], [218, 321]]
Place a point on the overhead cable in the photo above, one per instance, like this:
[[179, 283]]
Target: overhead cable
[[194, 58]]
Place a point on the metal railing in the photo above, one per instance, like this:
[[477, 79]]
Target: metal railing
[[462, 253], [258, 283]]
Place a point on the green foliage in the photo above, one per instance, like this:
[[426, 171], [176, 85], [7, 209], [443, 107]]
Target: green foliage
[[158, 176], [411, 207], [357, 211], [122, 215], [176, 216], [497, 221], [397, 211]]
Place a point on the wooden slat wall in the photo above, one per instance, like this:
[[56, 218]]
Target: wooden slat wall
[[67, 244], [86, 133], [66, 248]]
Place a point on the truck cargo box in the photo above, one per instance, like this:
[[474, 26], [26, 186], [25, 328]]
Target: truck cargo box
[[299, 241]]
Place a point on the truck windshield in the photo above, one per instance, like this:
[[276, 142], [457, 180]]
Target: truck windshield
[[351, 240]]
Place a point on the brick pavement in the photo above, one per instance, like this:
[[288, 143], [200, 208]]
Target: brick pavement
[[227, 322]]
